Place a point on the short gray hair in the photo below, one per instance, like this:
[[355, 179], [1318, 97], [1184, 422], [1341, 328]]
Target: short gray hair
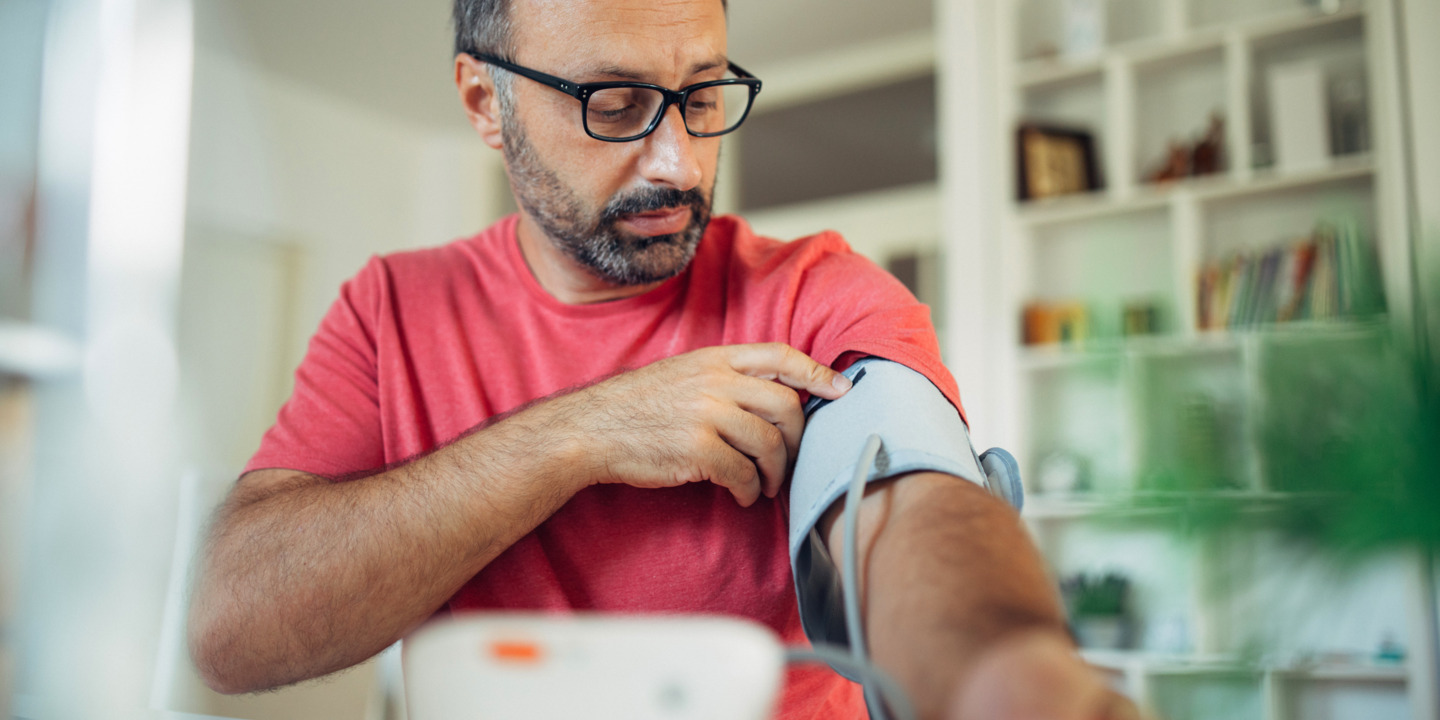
[[485, 26]]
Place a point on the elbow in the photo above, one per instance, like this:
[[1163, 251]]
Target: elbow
[[214, 651]]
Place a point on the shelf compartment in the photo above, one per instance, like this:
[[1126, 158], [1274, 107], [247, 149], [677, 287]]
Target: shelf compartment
[[1275, 209], [1095, 446], [1073, 102], [1160, 565], [1191, 419], [1337, 44], [1106, 263], [1176, 97]]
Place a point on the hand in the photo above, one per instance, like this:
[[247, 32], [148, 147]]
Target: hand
[[1037, 675], [712, 415]]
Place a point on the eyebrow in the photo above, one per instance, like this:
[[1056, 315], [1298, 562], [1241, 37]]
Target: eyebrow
[[629, 74]]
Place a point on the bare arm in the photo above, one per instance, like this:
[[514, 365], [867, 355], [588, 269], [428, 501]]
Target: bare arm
[[958, 607], [302, 576]]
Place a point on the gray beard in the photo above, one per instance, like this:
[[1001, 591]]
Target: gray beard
[[594, 241]]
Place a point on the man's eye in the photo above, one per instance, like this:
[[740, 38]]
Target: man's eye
[[608, 113]]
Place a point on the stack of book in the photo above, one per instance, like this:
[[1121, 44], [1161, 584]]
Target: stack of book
[[1330, 274]]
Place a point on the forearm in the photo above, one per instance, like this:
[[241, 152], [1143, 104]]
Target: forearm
[[947, 572], [313, 576]]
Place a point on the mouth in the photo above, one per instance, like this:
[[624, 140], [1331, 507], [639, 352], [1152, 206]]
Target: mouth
[[667, 221]]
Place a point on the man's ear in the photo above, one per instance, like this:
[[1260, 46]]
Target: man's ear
[[478, 97]]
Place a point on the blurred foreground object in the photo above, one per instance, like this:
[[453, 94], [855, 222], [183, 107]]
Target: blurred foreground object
[[534, 667], [1345, 423]]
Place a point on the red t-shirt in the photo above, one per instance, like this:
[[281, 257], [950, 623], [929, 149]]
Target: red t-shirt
[[424, 345]]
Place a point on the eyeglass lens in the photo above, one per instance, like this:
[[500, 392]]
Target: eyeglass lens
[[626, 111]]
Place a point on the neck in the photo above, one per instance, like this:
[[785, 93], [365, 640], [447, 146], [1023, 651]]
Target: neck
[[562, 277]]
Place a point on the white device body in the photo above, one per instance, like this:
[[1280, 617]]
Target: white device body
[[501, 666]]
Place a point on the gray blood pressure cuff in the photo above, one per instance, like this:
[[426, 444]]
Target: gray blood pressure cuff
[[919, 430]]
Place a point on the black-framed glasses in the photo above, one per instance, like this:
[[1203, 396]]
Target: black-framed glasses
[[625, 111]]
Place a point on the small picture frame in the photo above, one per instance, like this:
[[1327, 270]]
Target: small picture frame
[[1054, 161]]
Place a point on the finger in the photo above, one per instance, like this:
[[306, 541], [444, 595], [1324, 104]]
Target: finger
[[758, 440], [776, 404], [775, 361], [725, 466]]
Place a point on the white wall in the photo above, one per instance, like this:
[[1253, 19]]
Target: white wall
[[301, 188], [290, 192]]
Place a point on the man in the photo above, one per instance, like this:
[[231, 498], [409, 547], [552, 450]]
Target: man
[[467, 432]]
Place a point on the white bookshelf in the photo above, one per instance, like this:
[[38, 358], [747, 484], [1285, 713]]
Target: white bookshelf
[[1169, 64]]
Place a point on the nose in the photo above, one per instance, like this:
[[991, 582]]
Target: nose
[[669, 156]]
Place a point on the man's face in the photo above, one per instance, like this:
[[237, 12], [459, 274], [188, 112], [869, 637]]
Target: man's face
[[630, 213]]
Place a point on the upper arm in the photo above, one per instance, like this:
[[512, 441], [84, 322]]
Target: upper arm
[[920, 431], [918, 427]]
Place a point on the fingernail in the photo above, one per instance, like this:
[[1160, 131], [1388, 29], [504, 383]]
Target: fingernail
[[841, 383]]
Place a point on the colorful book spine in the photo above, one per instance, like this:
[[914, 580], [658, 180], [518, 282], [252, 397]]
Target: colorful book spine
[[1332, 273]]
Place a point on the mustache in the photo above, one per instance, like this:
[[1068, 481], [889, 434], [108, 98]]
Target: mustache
[[651, 199]]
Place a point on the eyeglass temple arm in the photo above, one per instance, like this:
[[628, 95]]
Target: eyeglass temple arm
[[560, 84], [741, 72]]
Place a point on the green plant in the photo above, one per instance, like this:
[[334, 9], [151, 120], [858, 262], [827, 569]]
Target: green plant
[[1089, 596]]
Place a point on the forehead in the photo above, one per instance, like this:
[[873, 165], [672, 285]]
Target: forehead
[[651, 37]]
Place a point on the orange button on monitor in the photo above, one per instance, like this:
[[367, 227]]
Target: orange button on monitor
[[516, 651]]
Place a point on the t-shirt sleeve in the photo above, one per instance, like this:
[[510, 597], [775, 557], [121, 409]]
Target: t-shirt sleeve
[[848, 308], [331, 425]]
